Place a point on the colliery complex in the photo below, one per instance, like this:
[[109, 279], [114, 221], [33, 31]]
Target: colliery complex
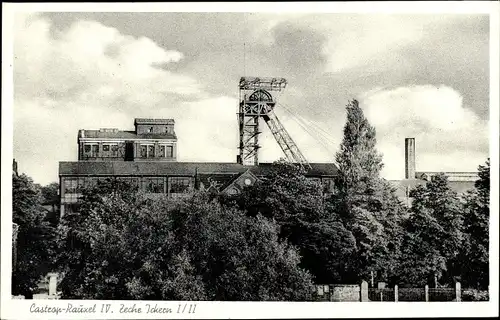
[[147, 156]]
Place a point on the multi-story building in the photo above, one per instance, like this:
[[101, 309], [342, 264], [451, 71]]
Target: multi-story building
[[147, 158], [152, 140]]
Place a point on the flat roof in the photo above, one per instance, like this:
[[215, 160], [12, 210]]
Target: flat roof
[[102, 134], [162, 168], [153, 121]]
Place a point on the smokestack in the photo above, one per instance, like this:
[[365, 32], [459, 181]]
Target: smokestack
[[410, 158]]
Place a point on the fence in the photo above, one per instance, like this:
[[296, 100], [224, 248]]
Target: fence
[[411, 294], [416, 294], [442, 294], [363, 293], [381, 294]]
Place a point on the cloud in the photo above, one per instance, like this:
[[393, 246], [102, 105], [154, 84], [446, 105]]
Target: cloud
[[87, 76], [92, 70], [369, 40], [207, 130], [298, 48], [91, 60], [449, 136]]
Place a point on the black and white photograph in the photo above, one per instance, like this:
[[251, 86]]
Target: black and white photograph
[[193, 154]]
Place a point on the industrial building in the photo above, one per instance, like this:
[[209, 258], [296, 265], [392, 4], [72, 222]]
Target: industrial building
[[460, 182], [147, 156]]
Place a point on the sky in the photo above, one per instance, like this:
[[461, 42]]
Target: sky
[[420, 76]]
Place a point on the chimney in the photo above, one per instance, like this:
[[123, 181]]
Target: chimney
[[410, 158]]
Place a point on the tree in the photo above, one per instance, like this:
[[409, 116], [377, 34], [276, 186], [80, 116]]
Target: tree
[[188, 249], [365, 202], [50, 197], [239, 257], [114, 224], [298, 206], [474, 257], [433, 233], [35, 237]]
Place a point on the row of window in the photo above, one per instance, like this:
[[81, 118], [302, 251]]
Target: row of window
[[107, 150], [74, 186], [149, 151], [174, 186], [167, 129], [115, 150]]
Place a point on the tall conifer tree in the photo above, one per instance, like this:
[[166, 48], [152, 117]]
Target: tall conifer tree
[[367, 204]]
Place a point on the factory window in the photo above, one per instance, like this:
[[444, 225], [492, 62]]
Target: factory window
[[179, 185], [144, 151], [105, 150], [114, 150], [328, 185], [70, 198], [166, 151], [95, 150], [170, 152], [81, 184], [169, 129], [153, 184], [91, 150], [70, 185], [147, 151], [110, 150], [132, 181]]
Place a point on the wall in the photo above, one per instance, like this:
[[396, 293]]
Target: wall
[[155, 128]]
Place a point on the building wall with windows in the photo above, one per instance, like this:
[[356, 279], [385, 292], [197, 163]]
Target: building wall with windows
[[171, 186], [172, 179], [152, 140]]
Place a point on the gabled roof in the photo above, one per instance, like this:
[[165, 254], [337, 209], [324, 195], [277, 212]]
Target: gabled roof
[[233, 183]]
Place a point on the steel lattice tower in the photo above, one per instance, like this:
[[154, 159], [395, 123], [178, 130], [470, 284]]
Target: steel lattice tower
[[257, 101]]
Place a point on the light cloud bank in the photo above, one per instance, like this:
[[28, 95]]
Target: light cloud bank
[[449, 136], [90, 75]]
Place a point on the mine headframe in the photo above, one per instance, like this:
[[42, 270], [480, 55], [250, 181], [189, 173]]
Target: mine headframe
[[256, 102]]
